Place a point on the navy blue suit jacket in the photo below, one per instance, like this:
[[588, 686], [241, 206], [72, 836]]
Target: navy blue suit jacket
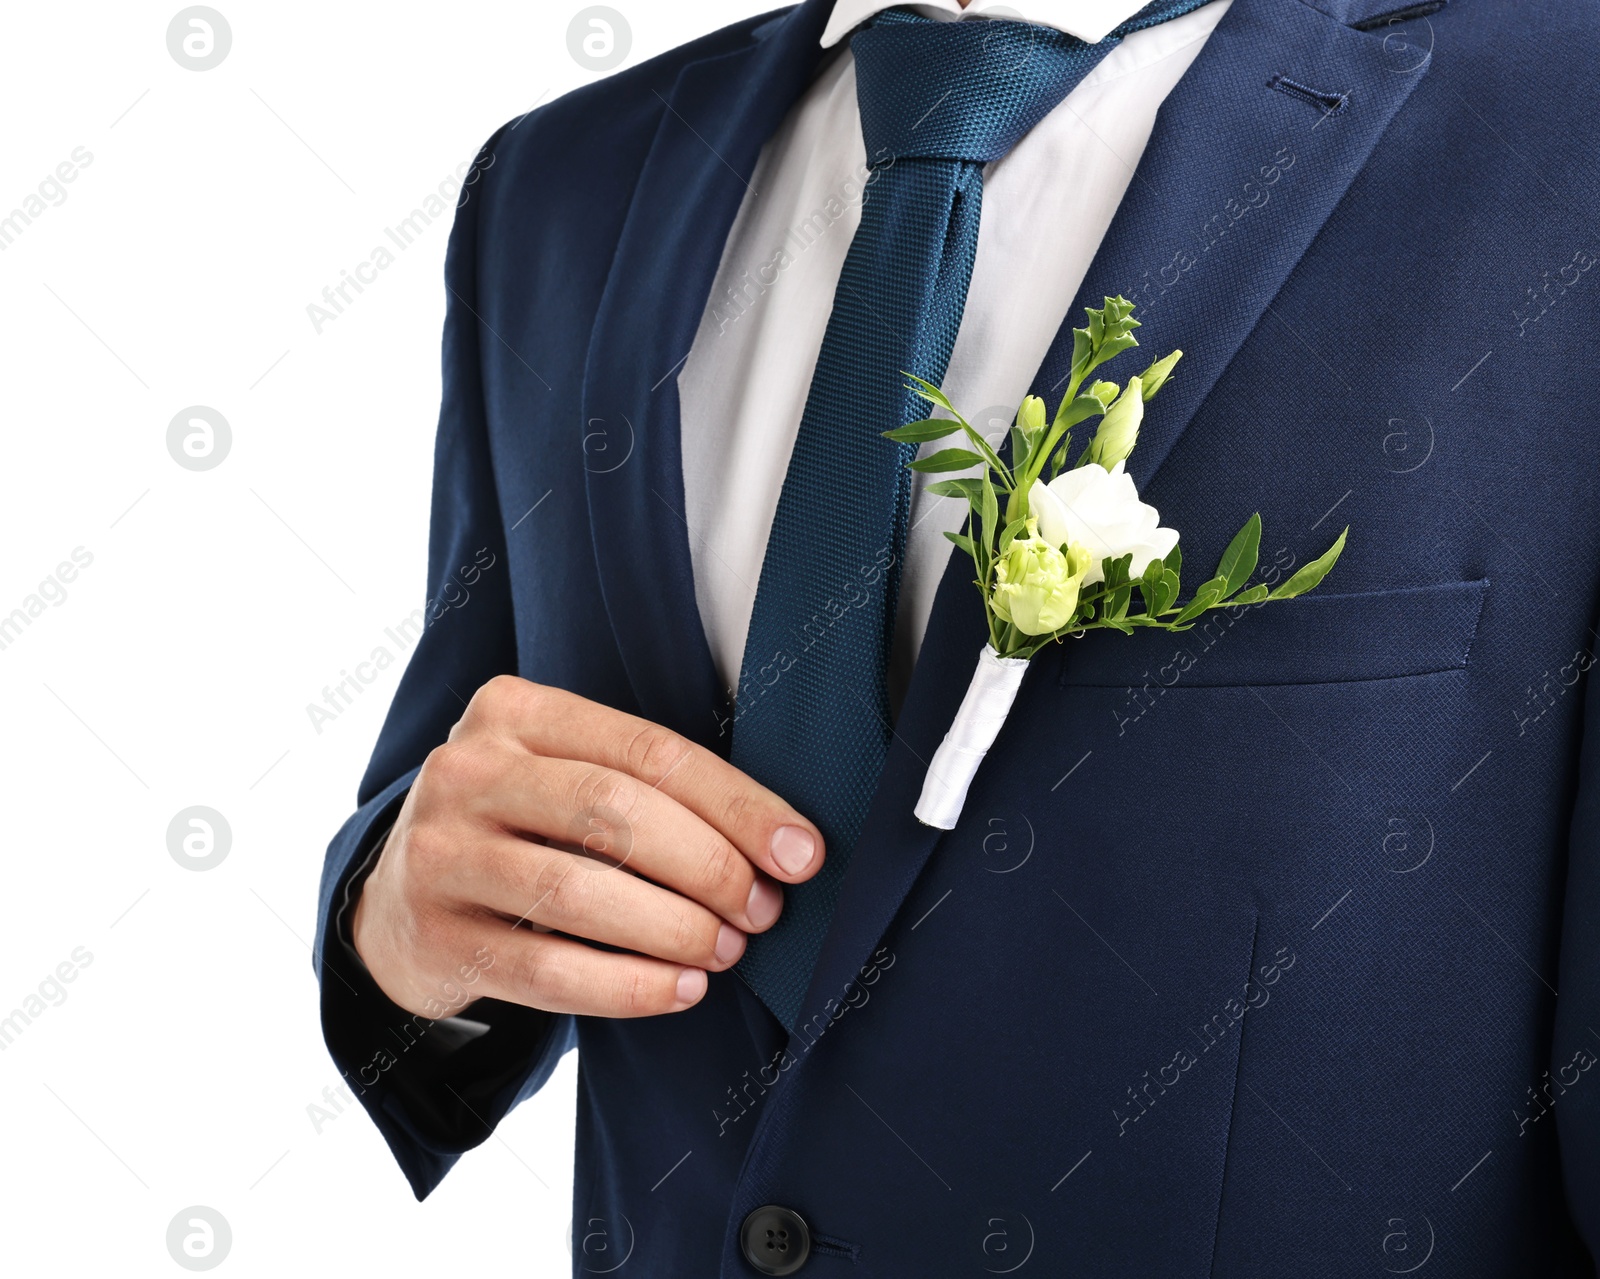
[[1245, 956]]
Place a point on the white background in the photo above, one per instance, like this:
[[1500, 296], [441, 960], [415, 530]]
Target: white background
[[176, 671]]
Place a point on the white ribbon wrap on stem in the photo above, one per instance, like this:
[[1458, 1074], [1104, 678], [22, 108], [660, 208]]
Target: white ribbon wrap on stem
[[983, 710]]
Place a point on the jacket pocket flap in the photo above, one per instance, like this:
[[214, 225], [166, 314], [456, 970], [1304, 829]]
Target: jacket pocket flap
[[1314, 639]]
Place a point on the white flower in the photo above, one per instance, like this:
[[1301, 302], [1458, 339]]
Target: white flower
[[1100, 510]]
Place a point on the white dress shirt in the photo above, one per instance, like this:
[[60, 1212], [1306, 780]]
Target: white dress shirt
[[1046, 207]]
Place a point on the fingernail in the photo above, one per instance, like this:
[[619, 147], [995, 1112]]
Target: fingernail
[[766, 900], [793, 848], [691, 985], [730, 943]]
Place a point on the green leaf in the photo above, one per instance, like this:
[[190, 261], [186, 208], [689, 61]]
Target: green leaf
[[1203, 599], [963, 541], [1254, 595], [982, 525], [1174, 560], [948, 460], [1116, 571], [1310, 574], [1009, 534], [970, 489], [1119, 589], [929, 428], [1169, 588], [989, 511], [931, 393], [1019, 446], [1082, 349], [1159, 587], [987, 455], [1239, 560], [1083, 406], [1150, 579]]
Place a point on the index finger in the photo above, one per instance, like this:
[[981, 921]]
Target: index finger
[[553, 722]]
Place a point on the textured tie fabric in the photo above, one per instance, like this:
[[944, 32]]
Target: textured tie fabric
[[938, 101]]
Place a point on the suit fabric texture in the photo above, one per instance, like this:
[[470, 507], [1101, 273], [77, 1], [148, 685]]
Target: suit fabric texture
[[1244, 957]]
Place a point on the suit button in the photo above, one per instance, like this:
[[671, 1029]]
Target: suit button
[[775, 1240]]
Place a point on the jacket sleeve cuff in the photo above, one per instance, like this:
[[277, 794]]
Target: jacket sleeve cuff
[[435, 1088]]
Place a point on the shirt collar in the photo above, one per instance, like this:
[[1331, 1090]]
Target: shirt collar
[[1090, 20]]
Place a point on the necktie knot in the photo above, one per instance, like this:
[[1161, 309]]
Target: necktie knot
[[965, 90]]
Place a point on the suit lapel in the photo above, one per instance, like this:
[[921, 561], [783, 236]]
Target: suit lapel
[[713, 124], [1237, 179], [1216, 217]]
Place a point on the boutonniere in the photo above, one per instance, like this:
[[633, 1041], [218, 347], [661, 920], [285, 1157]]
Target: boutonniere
[[1065, 547]]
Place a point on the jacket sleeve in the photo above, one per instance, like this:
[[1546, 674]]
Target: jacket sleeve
[[1573, 1100], [436, 1088]]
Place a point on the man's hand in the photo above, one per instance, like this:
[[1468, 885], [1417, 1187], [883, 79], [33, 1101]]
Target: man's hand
[[548, 814]]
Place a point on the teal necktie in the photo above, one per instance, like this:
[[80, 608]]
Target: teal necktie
[[938, 101]]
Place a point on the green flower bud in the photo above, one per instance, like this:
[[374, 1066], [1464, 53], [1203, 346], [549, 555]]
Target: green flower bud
[[1036, 585], [1030, 417], [1155, 377], [1105, 392], [1110, 331], [1119, 428], [1112, 323], [1030, 423]]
